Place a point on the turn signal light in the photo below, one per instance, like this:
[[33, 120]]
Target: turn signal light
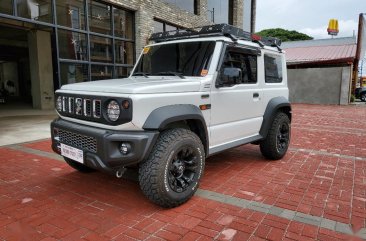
[[125, 104], [205, 107]]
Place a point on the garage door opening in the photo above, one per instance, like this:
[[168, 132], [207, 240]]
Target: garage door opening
[[26, 69]]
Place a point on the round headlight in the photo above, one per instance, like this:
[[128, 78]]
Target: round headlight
[[59, 104], [113, 110]]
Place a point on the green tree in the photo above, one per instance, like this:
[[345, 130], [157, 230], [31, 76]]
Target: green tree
[[284, 35]]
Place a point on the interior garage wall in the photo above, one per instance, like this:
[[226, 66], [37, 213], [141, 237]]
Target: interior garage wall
[[320, 85]]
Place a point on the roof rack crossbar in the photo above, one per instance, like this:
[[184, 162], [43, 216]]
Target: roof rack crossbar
[[213, 30]]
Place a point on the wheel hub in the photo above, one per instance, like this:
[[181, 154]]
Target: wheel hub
[[179, 168]]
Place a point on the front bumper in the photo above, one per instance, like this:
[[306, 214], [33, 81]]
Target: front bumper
[[101, 147]]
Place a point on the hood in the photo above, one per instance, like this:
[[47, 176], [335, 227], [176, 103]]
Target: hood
[[137, 85]]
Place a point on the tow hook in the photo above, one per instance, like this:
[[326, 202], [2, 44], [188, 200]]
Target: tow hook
[[120, 172]]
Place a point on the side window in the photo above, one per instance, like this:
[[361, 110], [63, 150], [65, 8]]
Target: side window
[[273, 68], [246, 63]]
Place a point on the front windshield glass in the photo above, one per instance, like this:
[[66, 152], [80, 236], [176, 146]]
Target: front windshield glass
[[180, 59]]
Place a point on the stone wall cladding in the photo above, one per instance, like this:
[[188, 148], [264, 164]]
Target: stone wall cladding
[[147, 10]]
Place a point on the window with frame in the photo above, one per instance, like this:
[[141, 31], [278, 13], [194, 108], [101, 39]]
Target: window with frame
[[246, 62], [273, 68], [161, 26]]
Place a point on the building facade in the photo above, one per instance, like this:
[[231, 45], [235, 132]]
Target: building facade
[[45, 44], [320, 71]]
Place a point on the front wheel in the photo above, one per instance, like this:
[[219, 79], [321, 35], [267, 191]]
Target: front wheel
[[275, 146], [171, 174]]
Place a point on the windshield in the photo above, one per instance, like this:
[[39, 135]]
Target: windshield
[[179, 59]]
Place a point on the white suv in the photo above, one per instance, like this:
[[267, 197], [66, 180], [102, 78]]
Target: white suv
[[192, 94]]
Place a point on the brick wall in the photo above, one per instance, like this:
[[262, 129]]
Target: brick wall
[[147, 10]]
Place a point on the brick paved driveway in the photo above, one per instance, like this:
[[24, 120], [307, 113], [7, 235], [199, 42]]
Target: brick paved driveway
[[317, 192]]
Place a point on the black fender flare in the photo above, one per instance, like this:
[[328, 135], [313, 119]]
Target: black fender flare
[[163, 116], [272, 108]]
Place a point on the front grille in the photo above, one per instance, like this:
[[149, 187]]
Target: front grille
[[81, 107], [78, 106], [71, 105], [77, 140], [64, 104], [97, 108], [87, 107]]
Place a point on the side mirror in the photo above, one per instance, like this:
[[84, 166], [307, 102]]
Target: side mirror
[[230, 76]]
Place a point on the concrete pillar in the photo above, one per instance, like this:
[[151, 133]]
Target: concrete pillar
[[40, 56], [202, 7], [238, 7], [144, 22], [346, 84], [253, 15]]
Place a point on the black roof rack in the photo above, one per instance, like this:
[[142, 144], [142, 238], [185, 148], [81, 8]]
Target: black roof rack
[[215, 30]]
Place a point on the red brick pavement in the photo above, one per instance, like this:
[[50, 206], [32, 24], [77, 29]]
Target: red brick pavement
[[44, 199], [44, 145]]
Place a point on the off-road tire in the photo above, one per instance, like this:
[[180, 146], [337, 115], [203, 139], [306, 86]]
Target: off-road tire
[[155, 174], [269, 146], [78, 166]]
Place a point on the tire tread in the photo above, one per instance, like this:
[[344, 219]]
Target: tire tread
[[268, 146], [149, 170]]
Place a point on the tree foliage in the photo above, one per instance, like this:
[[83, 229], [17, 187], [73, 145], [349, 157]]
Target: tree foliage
[[284, 35]]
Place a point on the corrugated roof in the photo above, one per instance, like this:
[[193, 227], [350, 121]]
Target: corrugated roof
[[319, 42], [340, 50]]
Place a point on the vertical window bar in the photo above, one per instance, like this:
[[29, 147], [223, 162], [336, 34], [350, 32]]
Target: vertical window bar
[[86, 6], [195, 7], [57, 43], [134, 37], [15, 10], [114, 74], [231, 12]]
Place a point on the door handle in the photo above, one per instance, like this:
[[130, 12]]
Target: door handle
[[255, 95]]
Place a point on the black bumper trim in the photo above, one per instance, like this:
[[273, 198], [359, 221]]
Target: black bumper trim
[[108, 158]]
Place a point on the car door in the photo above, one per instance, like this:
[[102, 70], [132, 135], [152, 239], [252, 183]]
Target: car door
[[236, 105]]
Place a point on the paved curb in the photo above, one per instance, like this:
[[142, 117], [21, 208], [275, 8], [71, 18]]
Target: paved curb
[[282, 213], [18, 147], [327, 154]]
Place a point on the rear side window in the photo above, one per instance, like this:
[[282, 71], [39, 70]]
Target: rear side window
[[273, 68]]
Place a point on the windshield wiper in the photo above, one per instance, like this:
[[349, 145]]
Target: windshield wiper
[[180, 75], [141, 74]]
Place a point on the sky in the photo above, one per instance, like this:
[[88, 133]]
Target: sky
[[310, 16]]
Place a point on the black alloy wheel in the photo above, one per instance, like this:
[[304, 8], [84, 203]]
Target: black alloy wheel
[[183, 169], [283, 137]]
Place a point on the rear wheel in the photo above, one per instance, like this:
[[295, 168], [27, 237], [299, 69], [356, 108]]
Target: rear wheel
[[275, 145], [78, 166], [363, 97], [171, 174]]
